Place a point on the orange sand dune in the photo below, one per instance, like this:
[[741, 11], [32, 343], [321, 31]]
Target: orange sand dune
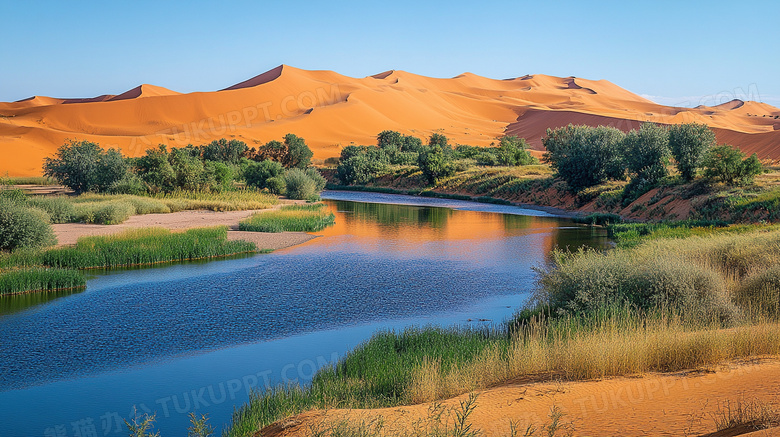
[[331, 111]]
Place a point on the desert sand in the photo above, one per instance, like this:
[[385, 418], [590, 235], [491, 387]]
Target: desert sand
[[331, 111], [69, 233], [679, 404]]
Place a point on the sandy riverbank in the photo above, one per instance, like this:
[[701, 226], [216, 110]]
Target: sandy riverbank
[[678, 404], [69, 233]]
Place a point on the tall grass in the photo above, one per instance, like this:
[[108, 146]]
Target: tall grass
[[424, 365], [39, 279], [296, 218], [27, 180], [146, 246], [700, 270]]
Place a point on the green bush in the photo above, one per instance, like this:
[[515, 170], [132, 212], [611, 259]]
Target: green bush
[[727, 164], [585, 156], [110, 212], [292, 153], [24, 227], [588, 282], [131, 183], [647, 152], [689, 144], [257, 174], [435, 164], [60, 209], [276, 185], [155, 169], [85, 166], [299, 185], [761, 292], [513, 151], [316, 176], [355, 170], [222, 150]]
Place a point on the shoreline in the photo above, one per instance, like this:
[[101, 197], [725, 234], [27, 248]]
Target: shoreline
[[68, 233], [554, 211]]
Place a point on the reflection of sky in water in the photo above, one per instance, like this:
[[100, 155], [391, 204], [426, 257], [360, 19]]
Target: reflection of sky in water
[[138, 336]]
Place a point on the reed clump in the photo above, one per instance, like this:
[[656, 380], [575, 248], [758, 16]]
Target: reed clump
[[295, 218], [146, 246]]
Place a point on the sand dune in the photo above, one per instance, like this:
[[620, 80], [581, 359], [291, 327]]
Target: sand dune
[[331, 111]]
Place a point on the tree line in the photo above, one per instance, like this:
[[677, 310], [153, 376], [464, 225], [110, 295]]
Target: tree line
[[436, 159], [586, 156], [282, 167]]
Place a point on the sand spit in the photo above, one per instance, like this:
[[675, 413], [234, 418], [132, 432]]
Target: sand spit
[[69, 233]]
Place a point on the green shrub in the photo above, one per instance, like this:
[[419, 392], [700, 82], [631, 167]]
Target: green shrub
[[131, 183], [60, 209], [299, 185], [689, 143], [23, 227], [292, 153], [316, 176], [435, 164], [277, 185], [257, 174], [39, 279], [761, 292], [105, 213], [585, 156], [85, 166], [222, 150], [647, 152], [355, 170], [726, 164], [588, 282]]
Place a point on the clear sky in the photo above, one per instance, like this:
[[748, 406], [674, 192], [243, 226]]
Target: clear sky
[[674, 52]]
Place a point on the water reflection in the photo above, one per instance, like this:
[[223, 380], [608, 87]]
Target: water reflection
[[179, 327]]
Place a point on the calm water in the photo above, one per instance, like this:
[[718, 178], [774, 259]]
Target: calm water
[[199, 337]]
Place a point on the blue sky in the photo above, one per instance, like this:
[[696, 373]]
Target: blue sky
[[675, 52]]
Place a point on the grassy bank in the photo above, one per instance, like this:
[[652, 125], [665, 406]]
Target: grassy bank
[[28, 270], [418, 366], [294, 218], [144, 247], [26, 280], [711, 294], [111, 209]]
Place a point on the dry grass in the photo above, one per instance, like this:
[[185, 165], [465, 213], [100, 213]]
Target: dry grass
[[613, 346], [750, 414]]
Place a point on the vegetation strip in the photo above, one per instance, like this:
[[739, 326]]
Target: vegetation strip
[[57, 269], [294, 218]]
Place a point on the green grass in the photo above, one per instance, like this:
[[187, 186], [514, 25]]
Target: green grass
[[110, 209], [27, 270], [39, 279], [295, 218], [146, 246], [27, 180]]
